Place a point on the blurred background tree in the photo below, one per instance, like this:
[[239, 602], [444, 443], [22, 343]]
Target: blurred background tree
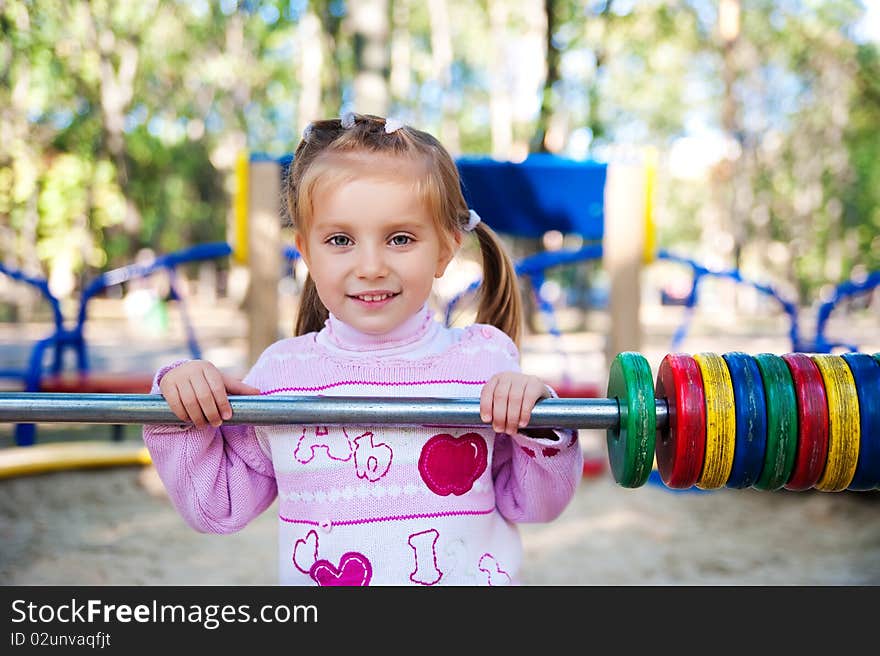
[[120, 122]]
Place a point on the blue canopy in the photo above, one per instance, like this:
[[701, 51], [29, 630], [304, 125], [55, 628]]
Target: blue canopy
[[541, 193], [526, 199]]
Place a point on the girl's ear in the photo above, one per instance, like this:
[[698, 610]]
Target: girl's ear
[[300, 243], [447, 252]]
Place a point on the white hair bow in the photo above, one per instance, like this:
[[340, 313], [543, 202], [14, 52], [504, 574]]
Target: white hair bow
[[473, 220]]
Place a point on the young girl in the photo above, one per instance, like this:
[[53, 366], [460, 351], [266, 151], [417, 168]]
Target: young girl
[[379, 214]]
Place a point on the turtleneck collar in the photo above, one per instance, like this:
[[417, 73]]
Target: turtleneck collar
[[416, 330]]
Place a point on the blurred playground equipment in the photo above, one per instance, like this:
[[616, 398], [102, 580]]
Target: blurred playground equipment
[[609, 207], [36, 377]]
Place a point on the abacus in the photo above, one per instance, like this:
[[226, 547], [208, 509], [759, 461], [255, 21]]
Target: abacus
[[795, 421]]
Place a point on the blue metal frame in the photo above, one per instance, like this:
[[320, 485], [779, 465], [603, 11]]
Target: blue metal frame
[[842, 291], [63, 338], [701, 272]]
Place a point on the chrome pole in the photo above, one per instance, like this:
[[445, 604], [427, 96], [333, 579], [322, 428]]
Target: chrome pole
[[47, 407]]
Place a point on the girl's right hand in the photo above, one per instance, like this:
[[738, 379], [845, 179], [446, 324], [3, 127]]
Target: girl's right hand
[[197, 392]]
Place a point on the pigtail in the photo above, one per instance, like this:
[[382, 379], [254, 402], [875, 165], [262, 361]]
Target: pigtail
[[312, 314], [499, 299]]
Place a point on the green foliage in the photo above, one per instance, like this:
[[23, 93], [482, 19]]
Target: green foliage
[[120, 121]]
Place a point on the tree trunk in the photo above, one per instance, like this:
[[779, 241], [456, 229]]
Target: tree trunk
[[401, 59], [441, 55], [311, 65], [332, 80], [500, 102], [116, 90], [369, 21], [552, 55], [597, 128], [728, 18]]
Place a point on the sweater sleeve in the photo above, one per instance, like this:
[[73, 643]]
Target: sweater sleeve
[[535, 478], [218, 479]]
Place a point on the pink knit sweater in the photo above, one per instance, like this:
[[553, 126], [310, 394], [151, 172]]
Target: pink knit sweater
[[375, 504]]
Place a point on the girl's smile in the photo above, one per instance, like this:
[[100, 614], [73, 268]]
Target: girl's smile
[[374, 299]]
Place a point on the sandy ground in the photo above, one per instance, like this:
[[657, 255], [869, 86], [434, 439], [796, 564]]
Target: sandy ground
[[116, 526]]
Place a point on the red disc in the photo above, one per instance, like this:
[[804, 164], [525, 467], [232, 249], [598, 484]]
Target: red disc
[[681, 445], [812, 413]]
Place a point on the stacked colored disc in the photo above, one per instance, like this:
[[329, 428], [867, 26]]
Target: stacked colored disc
[[631, 444], [751, 420], [843, 423], [812, 421], [779, 392], [866, 374], [720, 421], [681, 445]]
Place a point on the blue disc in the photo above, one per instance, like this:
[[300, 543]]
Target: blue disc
[[751, 419], [866, 372]]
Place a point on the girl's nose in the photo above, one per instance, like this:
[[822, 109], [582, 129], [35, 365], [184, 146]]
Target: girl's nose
[[371, 262]]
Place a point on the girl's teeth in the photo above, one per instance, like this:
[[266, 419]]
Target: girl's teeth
[[375, 298]]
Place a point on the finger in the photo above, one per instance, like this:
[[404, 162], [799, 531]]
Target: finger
[[172, 397], [514, 409], [218, 391], [207, 402], [499, 405], [235, 386], [190, 399], [486, 396], [532, 394]]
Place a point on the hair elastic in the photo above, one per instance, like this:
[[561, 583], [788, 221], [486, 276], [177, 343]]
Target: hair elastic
[[473, 220], [347, 120], [392, 125], [307, 132]]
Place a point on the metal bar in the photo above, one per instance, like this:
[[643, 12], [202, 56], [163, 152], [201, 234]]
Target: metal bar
[[46, 407]]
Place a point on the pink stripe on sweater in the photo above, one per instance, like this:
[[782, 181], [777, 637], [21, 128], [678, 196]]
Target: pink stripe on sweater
[[390, 518], [372, 382]]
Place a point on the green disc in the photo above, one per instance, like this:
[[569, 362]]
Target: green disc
[[782, 424], [631, 444]]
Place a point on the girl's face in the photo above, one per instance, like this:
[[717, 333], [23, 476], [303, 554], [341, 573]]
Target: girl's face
[[373, 251]]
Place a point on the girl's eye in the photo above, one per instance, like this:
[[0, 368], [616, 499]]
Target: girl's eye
[[401, 240], [339, 240]]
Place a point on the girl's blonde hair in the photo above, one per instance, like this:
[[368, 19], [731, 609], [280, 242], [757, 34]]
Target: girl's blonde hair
[[321, 158]]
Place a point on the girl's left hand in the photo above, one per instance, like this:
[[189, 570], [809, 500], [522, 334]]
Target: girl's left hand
[[507, 400]]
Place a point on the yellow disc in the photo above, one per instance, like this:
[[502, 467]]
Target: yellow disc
[[720, 420], [843, 423]]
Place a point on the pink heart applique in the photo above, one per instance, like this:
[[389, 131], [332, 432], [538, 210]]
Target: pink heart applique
[[354, 569], [450, 465]]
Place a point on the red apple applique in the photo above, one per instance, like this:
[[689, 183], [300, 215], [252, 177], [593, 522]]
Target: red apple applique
[[450, 465]]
